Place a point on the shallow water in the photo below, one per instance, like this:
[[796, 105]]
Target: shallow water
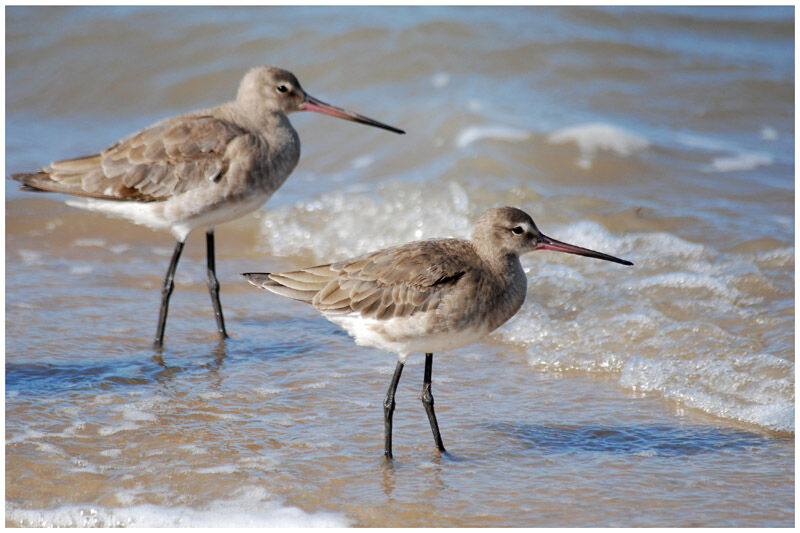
[[656, 395]]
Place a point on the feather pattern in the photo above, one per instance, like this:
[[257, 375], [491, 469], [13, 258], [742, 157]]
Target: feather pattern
[[164, 160]]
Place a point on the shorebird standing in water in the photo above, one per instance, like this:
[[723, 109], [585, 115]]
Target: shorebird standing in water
[[426, 296], [196, 170]]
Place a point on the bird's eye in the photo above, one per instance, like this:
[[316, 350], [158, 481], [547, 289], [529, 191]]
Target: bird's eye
[[517, 230], [282, 88]]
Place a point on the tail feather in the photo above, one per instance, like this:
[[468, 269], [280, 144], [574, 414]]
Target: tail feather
[[30, 181], [300, 280], [77, 176], [42, 181], [264, 281]]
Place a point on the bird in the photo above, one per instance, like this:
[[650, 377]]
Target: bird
[[425, 296], [195, 170]]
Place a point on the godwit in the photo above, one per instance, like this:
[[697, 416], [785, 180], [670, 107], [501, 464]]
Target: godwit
[[426, 296], [196, 170]]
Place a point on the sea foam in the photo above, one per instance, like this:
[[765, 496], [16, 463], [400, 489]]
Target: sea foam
[[659, 332], [252, 508], [343, 225], [500, 133], [594, 137], [740, 162]]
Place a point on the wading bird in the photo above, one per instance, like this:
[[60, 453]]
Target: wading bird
[[426, 296], [195, 170]]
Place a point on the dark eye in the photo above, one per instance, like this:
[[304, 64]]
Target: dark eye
[[282, 88], [517, 230]]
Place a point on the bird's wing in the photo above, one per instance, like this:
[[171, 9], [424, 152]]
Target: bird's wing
[[394, 282], [167, 158]]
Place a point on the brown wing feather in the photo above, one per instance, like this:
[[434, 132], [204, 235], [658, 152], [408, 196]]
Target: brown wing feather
[[167, 158], [394, 282]]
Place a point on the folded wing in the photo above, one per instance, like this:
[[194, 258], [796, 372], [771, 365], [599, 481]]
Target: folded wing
[[395, 282], [156, 163]]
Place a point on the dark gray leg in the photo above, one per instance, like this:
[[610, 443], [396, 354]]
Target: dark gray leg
[[166, 291], [388, 410], [427, 401], [213, 284]]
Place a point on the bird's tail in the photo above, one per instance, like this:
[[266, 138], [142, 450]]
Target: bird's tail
[[300, 285], [67, 176], [30, 181]]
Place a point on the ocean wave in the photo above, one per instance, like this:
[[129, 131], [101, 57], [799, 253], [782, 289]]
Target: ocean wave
[[500, 133], [594, 137], [342, 225], [252, 508], [740, 162], [680, 323], [664, 334]]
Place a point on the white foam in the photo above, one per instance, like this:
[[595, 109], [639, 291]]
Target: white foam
[[138, 415], [245, 511], [363, 161], [769, 133], [687, 280], [267, 391], [50, 449], [217, 469], [740, 162], [24, 436], [119, 248], [659, 332], [715, 385], [80, 270], [342, 225], [500, 133], [90, 243], [111, 429], [701, 142], [31, 257], [193, 449], [440, 80], [114, 452], [596, 136]]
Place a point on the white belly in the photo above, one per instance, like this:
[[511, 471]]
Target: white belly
[[404, 335], [179, 215]]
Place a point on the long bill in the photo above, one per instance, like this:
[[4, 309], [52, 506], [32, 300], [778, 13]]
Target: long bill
[[312, 104], [546, 243]]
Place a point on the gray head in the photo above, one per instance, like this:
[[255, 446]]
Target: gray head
[[275, 90], [508, 231]]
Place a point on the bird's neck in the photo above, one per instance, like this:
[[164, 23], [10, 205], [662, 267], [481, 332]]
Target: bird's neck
[[510, 283], [509, 268], [505, 267], [256, 119]]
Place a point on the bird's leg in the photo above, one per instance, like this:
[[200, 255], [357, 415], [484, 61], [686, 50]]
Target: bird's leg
[[213, 284], [166, 291], [427, 401], [388, 410]]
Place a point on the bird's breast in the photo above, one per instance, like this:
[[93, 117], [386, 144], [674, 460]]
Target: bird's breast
[[280, 151]]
